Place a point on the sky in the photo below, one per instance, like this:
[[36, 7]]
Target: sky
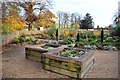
[[102, 11]]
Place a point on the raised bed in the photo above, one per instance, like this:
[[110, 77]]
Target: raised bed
[[35, 52], [71, 66]]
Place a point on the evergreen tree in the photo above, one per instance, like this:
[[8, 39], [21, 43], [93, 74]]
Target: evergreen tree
[[87, 22]]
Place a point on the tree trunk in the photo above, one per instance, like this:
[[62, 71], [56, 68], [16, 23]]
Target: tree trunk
[[29, 27]]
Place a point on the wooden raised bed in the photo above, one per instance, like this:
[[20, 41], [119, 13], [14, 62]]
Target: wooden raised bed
[[71, 67], [35, 52]]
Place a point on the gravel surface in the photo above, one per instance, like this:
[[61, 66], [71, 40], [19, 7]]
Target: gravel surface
[[14, 65]]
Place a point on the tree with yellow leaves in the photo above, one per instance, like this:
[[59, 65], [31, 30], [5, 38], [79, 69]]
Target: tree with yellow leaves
[[46, 19], [31, 7], [12, 24]]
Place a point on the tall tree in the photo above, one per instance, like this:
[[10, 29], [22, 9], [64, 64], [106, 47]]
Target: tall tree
[[45, 19], [75, 20], [60, 15], [117, 25], [66, 19], [31, 7], [87, 22], [4, 9], [13, 9]]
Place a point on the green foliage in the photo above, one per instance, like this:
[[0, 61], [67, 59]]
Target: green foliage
[[67, 41], [90, 34], [67, 53], [109, 39], [107, 44], [18, 40], [90, 39], [94, 43], [72, 32], [75, 26], [117, 30], [48, 37], [4, 30], [79, 44], [24, 39], [47, 47], [87, 22], [62, 36], [51, 31], [82, 35]]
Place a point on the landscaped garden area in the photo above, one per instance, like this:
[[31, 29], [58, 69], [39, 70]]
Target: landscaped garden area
[[37, 46]]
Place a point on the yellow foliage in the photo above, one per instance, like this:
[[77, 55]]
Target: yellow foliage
[[45, 19], [65, 32], [96, 33], [13, 23]]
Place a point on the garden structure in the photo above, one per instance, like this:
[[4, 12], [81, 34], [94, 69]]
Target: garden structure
[[35, 52], [72, 62]]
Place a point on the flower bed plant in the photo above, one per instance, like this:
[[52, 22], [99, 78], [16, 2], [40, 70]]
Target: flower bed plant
[[108, 44], [71, 53]]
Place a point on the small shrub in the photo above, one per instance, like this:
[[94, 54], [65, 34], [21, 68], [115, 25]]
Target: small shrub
[[109, 39], [47, 37], [79, 44], [18, 40], [51, 31], [117, 30], [67, 41], [62, 36]]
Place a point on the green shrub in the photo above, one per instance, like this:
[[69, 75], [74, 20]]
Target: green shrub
[[67, 41], [83, 36], [90, 35], [79, 44], [24, 39], [117, 30], [94, 43], [51, 31], [90, 39], [109, 39], [47, 37], [107, 44], [4, 30], [18, 40], [62, 36]]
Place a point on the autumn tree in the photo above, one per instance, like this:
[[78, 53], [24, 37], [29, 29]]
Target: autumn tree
[[31, 7], [45, 19], [10, 18], [12, 24]]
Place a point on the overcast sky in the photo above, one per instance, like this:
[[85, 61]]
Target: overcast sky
[[102, 11]]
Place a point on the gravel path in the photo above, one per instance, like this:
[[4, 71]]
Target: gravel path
[[14, 65]]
